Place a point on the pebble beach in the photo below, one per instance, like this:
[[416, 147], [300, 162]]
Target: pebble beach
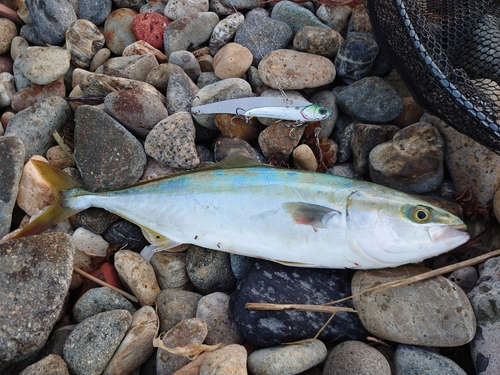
[[104, 90]]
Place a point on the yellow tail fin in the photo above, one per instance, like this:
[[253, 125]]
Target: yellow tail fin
[[59, 181]]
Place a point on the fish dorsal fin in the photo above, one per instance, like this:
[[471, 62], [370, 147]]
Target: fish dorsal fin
[[158, 240], [310, 214]]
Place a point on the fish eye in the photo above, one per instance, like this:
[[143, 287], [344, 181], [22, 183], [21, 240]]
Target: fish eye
[[420, 214]]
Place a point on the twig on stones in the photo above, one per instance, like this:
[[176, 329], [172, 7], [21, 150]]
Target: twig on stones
[[103, 283], [297, 307]]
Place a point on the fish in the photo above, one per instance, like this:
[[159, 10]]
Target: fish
[[293, 217]]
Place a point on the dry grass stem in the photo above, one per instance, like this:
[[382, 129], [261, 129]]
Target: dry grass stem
[[296, 307]]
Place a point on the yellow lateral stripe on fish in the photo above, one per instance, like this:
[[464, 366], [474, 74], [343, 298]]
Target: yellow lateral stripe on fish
[[293, 217]]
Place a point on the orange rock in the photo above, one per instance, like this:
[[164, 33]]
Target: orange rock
[[233, 126]]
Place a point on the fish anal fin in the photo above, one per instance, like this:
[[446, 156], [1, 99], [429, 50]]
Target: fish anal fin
[[310, 214], [293, 264], [158, 240]]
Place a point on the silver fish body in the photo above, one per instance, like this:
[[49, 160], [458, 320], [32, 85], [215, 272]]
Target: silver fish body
[[293, 217]]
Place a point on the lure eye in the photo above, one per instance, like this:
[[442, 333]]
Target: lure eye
[[420, 214], [322, 111]]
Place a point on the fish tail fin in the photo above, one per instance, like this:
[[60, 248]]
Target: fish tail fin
[[61, 209]]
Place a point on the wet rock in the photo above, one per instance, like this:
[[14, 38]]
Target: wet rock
[[232, 61], [295, 16], [225, 146], [8, 32], [176, 9], [364, 138], [189, 331], [36, 124], [172, 142], [356, 56], [50, 365], [213, 309], [231, 88], [209, 270], [189, 31], [335, 17], [92, 343], [150, 27], [83, 40], [124, 154], [471, 165], [12, 156], [370, 100], [187, 61], [138, 111], [413, 359], [292, 70], [37, 271], [269, 282], [278, 140], [118, 30], [485, 301], [137, 345], [411, 162], [318, 40], [355, 357], [138, 275], [98, 300], [50, 21], [125, 233], [134, 67], [175, 306], [94, 12], [287, 359], [44, 65], [433, 312], [170, 270], [261, 34], [225, 31], [230, 360]]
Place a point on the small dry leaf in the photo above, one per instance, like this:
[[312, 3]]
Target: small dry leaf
[[190, 351]]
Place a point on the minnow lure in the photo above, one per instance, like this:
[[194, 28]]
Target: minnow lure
[[293, 217], [267, 107]]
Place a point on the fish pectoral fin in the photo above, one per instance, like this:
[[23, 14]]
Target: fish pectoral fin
[[310, 214], [293, 264], [158, 240]]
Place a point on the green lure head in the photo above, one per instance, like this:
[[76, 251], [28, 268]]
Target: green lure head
[[315, 112]]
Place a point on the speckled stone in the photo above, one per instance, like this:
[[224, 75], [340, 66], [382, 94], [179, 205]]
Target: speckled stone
[[138, 111], [466, 278], [370, 100], [295, 15], [270, 282], [230, 360], [209, 270], [410, 359], [224, 32], [433, 312], [118, 30], [92, 343], [36, 124], [278, 140], [8, 31], [172, 142], [50, 365], [98, 300], [37, 271], [135, 67], [12, 156], [95, 12], [181, 91], [188, 31], [318, 40], [175, 306], [189, 331], [83, 40], [354, 358], [213, 309], [144, 48], [293, 70], [411, 162], [44, 65], [34, 93], [262, 34], [188, 62], [170, 270], [335, 17], [125, 156], [125, 233], [133, 4], [176, 9], [287, 359]]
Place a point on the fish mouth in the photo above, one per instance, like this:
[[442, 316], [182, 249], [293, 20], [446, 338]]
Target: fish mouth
[[447, 233]]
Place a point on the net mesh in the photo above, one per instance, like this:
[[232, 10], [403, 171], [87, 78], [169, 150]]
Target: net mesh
[[448, 54]]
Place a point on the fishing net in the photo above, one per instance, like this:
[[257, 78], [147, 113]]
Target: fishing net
[[448, 54]]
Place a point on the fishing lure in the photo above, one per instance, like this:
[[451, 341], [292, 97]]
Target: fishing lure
[[267, 107]]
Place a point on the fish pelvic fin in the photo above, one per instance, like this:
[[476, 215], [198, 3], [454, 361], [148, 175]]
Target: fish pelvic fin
[[59, 182], [158, 240]]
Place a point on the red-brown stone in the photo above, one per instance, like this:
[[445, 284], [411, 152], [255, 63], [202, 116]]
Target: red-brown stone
[[149, 27]]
